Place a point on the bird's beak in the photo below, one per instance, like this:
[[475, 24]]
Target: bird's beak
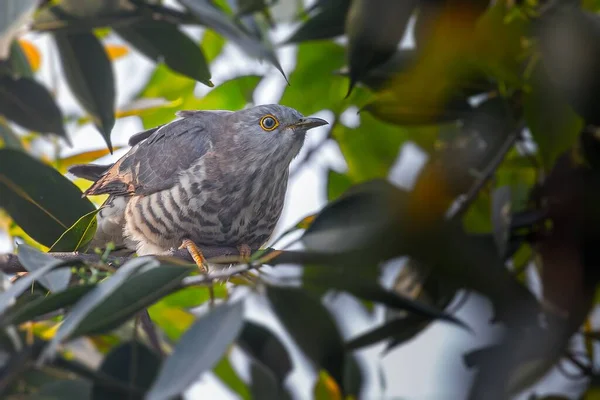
[[309, 123]]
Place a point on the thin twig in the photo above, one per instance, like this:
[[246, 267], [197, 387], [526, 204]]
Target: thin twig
[[462, 204], [150, 331]]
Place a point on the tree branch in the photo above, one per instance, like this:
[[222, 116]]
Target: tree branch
[[10, 264]]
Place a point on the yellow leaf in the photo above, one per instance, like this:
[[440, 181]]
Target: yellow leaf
[[306, 221], [32, 53], [116, 51], [173, 320], [43, 329], [326, 388], [82, 158]]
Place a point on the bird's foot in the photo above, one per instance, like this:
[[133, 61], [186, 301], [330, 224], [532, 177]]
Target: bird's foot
[[245, 252], [196, 254]]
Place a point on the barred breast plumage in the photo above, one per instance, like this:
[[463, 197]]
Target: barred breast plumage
[[217, 178]]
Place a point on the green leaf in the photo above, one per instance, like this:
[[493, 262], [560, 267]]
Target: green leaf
[[90, 77], [213, 18], [553, 124], [44, 305], [32, 260], [371, 149], [311, 326], [131, 363], [401, 330], [79, 234], [194, 296], [266, 348], [164, 42], [227, 375], [29, 104], [313, 84], [40, 200], [233, 94], [212, 45], [9, 139], [328, 22], [337, 184], [198, 350], [7, 297]]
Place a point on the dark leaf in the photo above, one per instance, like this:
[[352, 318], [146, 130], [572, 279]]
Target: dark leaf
[[140, 290], [400, 330], [379, 77], [374, 30], [8, 138], [131, 363], [328, 22], [377, 294], [29, 104], [264, 383], [404, 110], [312, 328], [89, 74], [135, 285], [19, 64], [24, 283], [568, 40], [213, 18], [78, 235], [40, 200], [164, 42], [198, 350], [359, 218], [64, 389], [32, 260], [260, 343], [44, 305]]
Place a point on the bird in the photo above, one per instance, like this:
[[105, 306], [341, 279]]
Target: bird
[[207, 179]]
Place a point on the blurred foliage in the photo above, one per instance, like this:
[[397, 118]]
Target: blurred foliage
[[500, 96]]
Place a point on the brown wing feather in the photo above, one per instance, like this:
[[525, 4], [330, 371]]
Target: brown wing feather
[[153, 163]]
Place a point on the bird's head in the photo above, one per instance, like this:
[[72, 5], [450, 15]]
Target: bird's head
[[272, 128]]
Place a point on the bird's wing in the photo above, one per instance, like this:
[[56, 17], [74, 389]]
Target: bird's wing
[[158, 156]]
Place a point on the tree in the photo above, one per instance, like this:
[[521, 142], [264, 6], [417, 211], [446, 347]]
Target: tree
[[502, 96]]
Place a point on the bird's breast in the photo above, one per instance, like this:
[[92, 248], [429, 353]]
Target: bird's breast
[[212, 207]]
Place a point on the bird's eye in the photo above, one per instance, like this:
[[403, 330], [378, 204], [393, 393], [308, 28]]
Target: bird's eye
[[268, 123]]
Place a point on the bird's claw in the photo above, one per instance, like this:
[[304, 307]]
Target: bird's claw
[[196, 254], [245, 252]]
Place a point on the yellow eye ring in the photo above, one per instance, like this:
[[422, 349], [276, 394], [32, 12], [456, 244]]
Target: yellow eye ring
[[269, 123]]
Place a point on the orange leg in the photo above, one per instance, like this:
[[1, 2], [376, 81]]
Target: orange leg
[[196, 254], [245, 252]]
